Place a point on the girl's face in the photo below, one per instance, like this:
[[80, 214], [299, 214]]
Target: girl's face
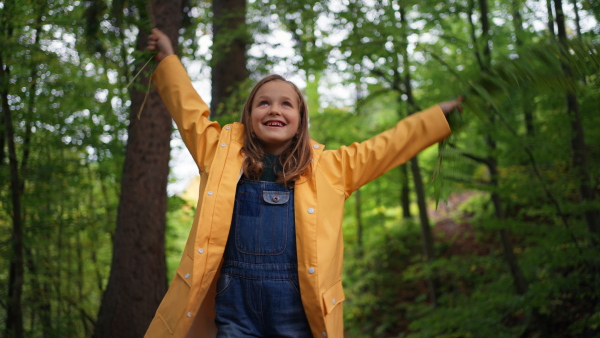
[[275, 116]]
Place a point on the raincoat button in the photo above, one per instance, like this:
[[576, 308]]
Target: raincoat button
[[223, 144], [311, 270], [311, 210], [324, 334], [228, 127], [189, 314], [334, 301], [201, 250], [316, 146], [187, 275], [210, 193]]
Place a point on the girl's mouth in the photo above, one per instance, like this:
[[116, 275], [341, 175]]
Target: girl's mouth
[[274, 124]]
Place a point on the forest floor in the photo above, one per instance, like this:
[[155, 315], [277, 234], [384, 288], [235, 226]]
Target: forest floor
[[452, 227]]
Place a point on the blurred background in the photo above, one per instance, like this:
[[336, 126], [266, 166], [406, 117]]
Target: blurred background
[[493, 233]]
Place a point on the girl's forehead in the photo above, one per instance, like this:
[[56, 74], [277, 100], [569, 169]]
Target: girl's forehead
[[276, 87]]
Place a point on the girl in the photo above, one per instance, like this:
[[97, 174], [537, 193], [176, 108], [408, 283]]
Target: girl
[[264, 255]]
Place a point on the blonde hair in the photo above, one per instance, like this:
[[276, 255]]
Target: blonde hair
[[295, 160]]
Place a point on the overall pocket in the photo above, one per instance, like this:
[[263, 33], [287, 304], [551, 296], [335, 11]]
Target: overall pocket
[[262, 222]]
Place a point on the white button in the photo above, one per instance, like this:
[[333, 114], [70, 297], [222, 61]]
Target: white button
[[334, 301], [316, 146], [311, 270], [312, 159], [228, 127], [210, 193], [324, 334], [311, 210], [189, 314], [201, 250], [222, 144], [187, 275]]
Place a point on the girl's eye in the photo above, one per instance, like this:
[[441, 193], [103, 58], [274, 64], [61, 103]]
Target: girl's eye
[[263, 103], [287, 104]]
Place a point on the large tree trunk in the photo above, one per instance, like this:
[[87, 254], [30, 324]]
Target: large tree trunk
[[579, 156], [229, 52], [14, 313], [137, 280]]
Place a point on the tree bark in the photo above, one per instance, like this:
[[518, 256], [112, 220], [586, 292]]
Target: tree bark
[[137, 279], [14, 313], [579, 156], [228, 64]]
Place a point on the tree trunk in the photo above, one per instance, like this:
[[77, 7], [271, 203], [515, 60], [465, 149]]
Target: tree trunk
[[577, 20], [551, 29], [426, 234], [405, 192], [359, 223], [137, 281], [14, 314], [526, 96], [228, 68], [579, 156], [492, 164]]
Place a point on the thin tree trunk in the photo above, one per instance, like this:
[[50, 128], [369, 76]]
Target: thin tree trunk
[[42, 304], [405, 192], [577, 20], [492, 164], [359, 223], [426, 233], [137, 281], [527, 98], [229, 54], [579, 156], [551, 28]]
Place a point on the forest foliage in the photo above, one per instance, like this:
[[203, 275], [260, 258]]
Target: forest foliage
[[513, 196]]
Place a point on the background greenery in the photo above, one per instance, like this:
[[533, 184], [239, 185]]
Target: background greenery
[[515, 235]]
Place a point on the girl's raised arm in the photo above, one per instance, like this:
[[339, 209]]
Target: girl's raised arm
[[351, 167], [186, 107]]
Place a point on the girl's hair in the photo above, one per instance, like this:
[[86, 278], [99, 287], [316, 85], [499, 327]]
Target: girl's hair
[[295, 160]]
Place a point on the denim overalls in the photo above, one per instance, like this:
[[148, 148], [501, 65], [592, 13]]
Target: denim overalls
[[258, 292]]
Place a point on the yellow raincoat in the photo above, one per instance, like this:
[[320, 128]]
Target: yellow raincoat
[[187, 309]]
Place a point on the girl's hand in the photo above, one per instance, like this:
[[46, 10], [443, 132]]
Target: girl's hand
[[160, 42], [450, 106]]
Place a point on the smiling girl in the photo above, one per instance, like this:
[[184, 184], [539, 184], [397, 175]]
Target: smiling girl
[[265, 252]]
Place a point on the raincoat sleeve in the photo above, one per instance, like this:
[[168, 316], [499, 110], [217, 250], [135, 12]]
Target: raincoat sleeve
[[188, 110], [356, 165]]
